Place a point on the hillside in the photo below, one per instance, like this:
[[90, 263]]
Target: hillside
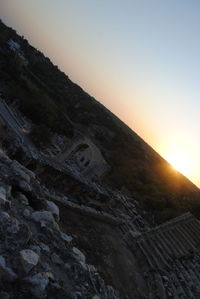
[[56, 105], [88, 210]]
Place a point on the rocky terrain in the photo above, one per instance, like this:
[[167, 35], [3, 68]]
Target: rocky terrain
[[84, 242], [72, 127], [87, 208], [39, 260]]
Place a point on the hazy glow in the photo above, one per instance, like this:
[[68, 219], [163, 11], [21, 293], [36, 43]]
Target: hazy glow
[[140, 58], [180, 161]]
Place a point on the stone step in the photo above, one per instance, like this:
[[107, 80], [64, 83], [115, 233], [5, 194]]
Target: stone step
[[166, 249], [169, 244], [146, 253], [155, 252], [189, 241], [152, 254], [196, 231], [175, 237], [161, 252], [197, 222], [183, 239], [174, 243], [189, 233]]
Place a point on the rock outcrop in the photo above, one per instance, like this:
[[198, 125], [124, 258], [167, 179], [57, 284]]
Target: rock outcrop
[[65, 229], [37, 259]]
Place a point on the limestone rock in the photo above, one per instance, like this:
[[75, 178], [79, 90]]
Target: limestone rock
[[2, 262], [78, 255], [50, 275], [44, 247], [3, 195], [24, 186], [4, 202], [26, 213], [29, 259], [4, 216], [66, 237], [23, 199], [44, 218], [36, 249], [22, 172], [53, 208], [14, 227], [6, 273], [56, 259], [39, 282]]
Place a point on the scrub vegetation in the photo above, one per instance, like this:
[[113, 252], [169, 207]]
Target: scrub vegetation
[[55, 104]]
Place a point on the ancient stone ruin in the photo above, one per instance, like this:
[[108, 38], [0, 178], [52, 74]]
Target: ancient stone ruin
[[64, 236]]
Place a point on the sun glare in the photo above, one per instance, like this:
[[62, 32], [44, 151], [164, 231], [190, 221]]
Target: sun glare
[[180, 161]]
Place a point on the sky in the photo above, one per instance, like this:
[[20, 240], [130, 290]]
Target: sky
[[139, 58]]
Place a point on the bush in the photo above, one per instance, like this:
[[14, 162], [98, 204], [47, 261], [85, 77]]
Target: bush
[[41, 136]]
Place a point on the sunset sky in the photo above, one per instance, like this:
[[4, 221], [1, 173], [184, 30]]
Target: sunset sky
[[140, 58]]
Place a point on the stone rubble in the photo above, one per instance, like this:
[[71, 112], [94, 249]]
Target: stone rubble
[[37, 259], [53, 208], [29, 259]]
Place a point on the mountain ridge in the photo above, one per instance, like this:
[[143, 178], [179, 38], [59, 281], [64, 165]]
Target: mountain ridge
[[54, 100]]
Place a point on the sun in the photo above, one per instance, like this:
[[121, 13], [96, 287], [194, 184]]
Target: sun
[[180, 161]]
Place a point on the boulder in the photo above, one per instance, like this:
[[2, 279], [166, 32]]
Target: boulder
[[23, 185], [56, 259], [80, 257], [44, 218], [29, 259], [39, 282], [36, 249], [53, 208], [27, 213], [3, 194], [23, 199], [13, 227], [23, 172], [2, 262], [6, 273], [66, 237], [4, 216], [44, 247]]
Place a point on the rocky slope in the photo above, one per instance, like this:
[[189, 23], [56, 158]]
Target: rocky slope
[[38, 260], [109, 152], [55, 243], [81, 195]]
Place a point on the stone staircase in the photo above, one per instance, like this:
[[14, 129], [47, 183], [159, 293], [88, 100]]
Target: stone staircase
[[171, 258]]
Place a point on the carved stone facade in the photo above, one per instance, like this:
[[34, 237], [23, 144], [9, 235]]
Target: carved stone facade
[[85, 157]]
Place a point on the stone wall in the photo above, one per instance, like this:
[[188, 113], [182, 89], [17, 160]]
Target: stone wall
[[85, 156]]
